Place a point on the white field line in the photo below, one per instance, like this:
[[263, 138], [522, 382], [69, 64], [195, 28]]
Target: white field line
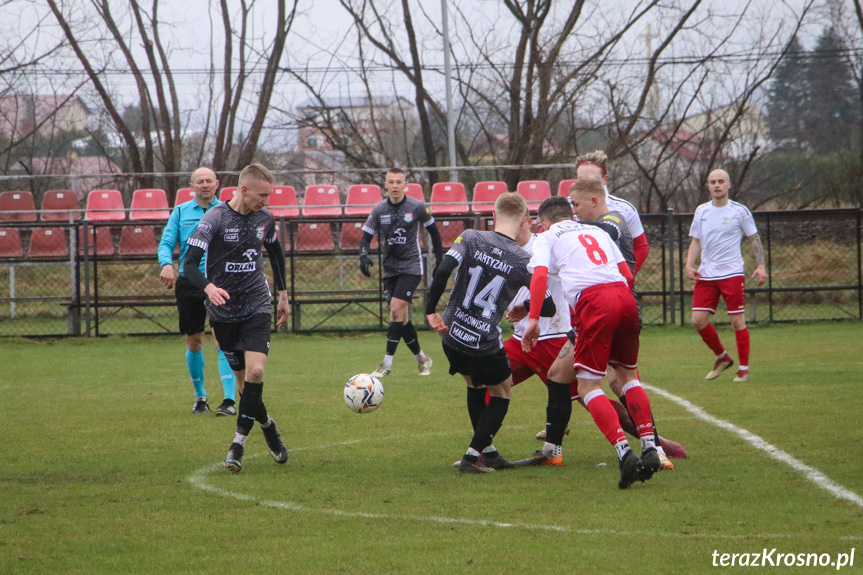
[[812, 474], [199, 480]]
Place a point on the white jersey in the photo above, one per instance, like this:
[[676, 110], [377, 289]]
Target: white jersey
[[580, 255], [720, 231], [549, 327], [628, 211]]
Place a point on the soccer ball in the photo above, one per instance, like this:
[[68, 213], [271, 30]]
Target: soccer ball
[[364, 393]]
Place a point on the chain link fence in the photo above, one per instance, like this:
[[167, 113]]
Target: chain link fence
[[85, 279]]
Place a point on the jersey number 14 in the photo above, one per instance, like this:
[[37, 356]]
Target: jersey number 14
[[486, 298]]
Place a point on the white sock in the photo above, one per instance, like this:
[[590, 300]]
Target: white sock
[[647, 442], [552, 450], [268, 423], [472, 451], [621, 448], [240, 438], [388, 361], [721, 355], [490, 449]]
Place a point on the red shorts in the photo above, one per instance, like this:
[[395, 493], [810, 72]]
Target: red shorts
[[707, 292], [537, 362], [607, 320]]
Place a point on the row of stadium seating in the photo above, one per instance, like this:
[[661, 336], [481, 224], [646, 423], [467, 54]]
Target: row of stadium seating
[[142, 239], [319, 201]]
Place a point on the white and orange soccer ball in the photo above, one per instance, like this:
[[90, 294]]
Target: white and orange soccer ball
[[364, 393]]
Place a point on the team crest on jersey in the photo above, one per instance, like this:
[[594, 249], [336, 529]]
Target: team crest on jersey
[[259, 232], [457, 240], [725, 221], [409, 217]]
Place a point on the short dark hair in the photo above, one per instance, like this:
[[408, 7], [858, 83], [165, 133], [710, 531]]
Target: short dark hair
[[395, 170], [555, 209]]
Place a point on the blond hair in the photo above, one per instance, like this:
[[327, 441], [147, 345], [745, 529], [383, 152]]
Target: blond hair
[[256, 172], [510, 205], [588, 185], [596, 158]]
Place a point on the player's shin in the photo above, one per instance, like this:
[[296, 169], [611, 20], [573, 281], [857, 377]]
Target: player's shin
[[638, 405], [476, 403], [558, 412], [489, 423], [606, 420]]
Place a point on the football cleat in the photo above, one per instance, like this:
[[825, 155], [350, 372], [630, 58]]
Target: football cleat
[[650, 463], [665, 464], [234, 460], [721, 365], [226, 408], [630, 470], [742, 375], [425, 365], [539, 458], [467, 466], [672, 448], [541, 435], [383, 371], [495, 460], [274, 442], [201, 406]]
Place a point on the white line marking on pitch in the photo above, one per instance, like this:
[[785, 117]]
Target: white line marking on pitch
[[198, 479], [812, 474]]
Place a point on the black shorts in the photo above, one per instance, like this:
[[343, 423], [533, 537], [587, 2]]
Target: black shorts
[[252, 334], [400, 287], [486, 370], [190, 305]]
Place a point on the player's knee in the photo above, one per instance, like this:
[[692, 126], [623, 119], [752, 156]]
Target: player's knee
[[254, 373], [195, 341], [698, 322]]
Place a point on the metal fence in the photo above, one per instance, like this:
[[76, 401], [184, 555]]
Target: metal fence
[[97, 281]]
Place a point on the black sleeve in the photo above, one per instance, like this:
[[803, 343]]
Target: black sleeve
[[365, 243], [277, 262], [437, 244], [548, 308], [438, 285], [191, 269]]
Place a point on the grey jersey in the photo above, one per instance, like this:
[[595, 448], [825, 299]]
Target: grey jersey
[[397, 227], [233, 243], [623, 237], [493, 268]]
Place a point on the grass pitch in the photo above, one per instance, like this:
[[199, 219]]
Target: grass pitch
[[105, 470]]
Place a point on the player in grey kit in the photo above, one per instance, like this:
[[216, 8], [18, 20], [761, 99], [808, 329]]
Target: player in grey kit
[[493, 268], [397, 221], [239, 298]]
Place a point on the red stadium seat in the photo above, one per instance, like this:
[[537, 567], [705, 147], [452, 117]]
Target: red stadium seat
[[361, 199], [563, 187], [150, 205], [105, 206], [183, 195], [449, 198], [64, 200], [534, 191], [48, 243], [322, 201], [17, 202], [227, 193], [449, 231], [137, 241], [415, 191], [283, 202], [314, 238], [485, 194], [103, 246], [10, 243], [352, 234]]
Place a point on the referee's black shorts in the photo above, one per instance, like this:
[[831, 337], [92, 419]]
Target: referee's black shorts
[[400, 287]]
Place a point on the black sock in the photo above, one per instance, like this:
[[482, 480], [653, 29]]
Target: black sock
[[489, 423], [394, 334], [246, 410], [475, 405], [255, 409], [558, 412], [409, 334]]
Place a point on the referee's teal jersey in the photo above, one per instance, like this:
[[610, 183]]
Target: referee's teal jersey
[[183, 222]]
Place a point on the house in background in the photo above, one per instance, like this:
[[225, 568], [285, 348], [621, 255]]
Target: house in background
[[25, 115]]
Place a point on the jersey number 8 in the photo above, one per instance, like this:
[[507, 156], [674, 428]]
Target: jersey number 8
[[594, 252]]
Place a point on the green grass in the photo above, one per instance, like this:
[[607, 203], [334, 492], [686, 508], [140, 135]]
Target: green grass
[[105, 470]]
